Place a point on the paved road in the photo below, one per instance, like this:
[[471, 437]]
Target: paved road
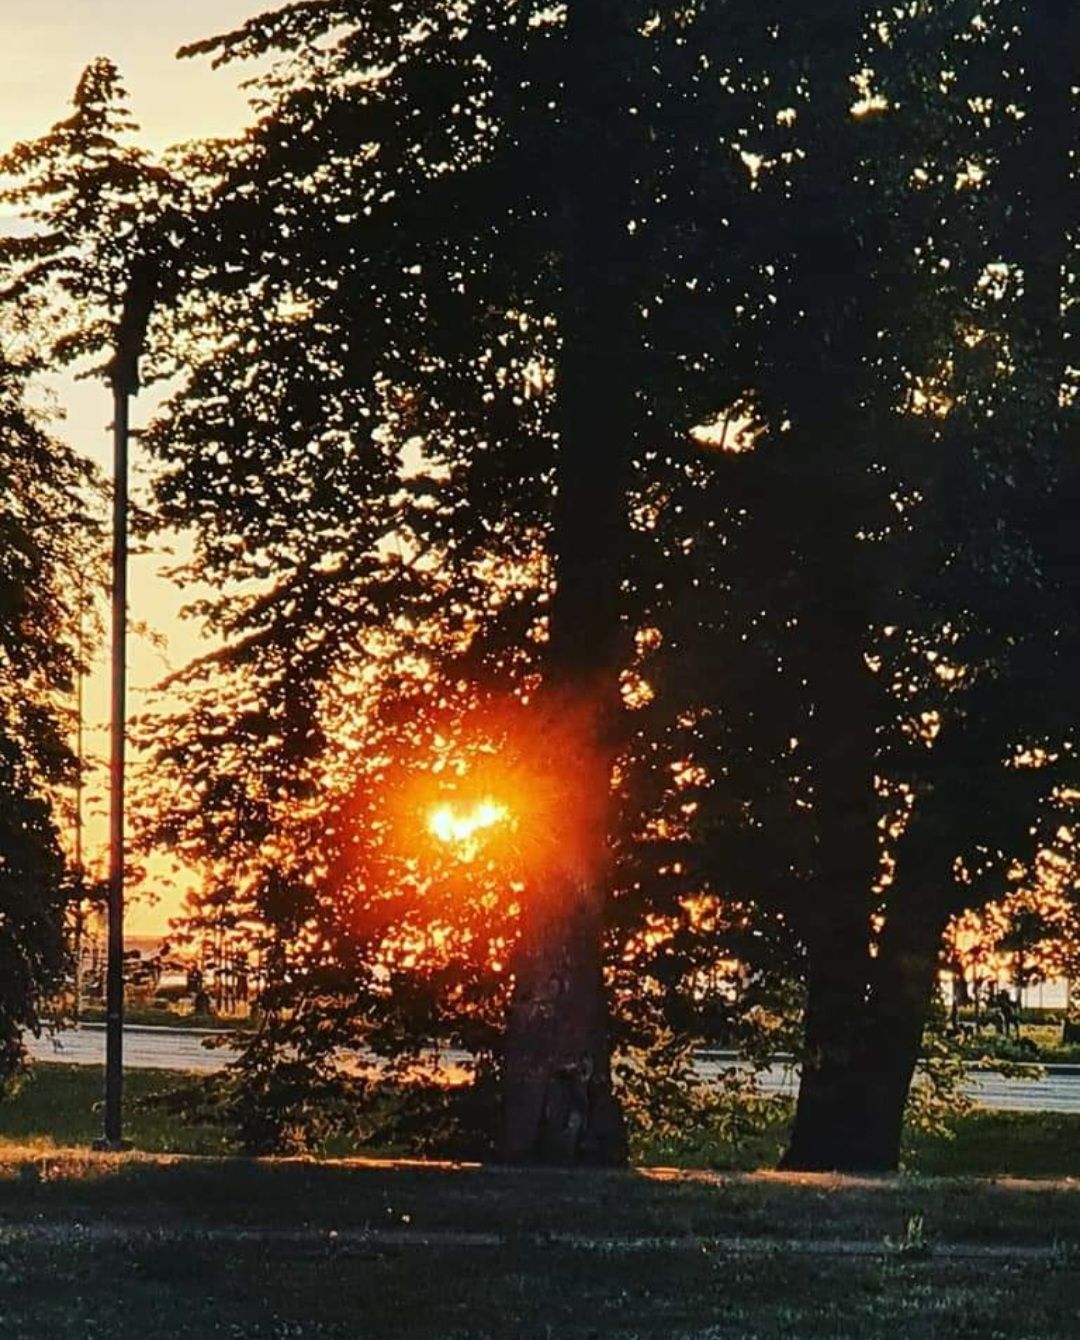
[[145, 1048], [1057, 1090], [185, 1049]]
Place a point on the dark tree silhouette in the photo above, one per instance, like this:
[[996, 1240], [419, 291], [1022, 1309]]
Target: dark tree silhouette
[[443, 243], [540, 364], [532, 255], [893, 636], [46, 533]]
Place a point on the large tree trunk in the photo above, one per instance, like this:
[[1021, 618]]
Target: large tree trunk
[[826, 1108], [559, 1107], [864, 1032], [834, 920], [558, 1104], [852, 1097], [906, 968]]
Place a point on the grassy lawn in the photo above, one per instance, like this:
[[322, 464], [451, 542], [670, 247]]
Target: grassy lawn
[[164, 1016], [991, 1144], [61, 1105], [121, 1246], [518, 1292]]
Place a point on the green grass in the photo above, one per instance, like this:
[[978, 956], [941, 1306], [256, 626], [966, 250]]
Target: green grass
[[980, 1144], [61, 1105], [517, 1292], [119, 1247], [174, 1194], [1046, 1039], [729, 1145], [259, 1293], [163, 1015], [1013, 1144], [116, 1247]]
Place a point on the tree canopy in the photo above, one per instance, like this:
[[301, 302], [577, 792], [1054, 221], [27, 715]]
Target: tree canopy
[[787, 231], [643, 437], [47, 530]]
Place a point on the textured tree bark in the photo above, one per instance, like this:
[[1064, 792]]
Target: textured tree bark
[[826, 1108], [558, 1104], [863, 1036], [904, 973]]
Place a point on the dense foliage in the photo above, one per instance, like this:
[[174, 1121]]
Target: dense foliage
[[840, 457], [403, 244], [46, 567], [654, 425]]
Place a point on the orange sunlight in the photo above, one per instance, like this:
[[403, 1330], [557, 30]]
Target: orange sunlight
[[461, 829], [490, 801]]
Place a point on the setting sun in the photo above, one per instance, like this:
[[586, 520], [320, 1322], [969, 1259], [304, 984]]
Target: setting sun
[[461, 828]]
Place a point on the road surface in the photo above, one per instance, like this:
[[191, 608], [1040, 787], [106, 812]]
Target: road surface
[[145, 1048], [1058, 1089], [156, 1048]]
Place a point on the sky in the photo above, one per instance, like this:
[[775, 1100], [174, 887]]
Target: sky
[[44, 46]]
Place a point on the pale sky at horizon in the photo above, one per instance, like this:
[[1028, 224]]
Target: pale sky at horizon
[[44, 47], [46, 44]]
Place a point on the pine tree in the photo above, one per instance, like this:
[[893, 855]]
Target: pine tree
[[93, 200], [47, 534]]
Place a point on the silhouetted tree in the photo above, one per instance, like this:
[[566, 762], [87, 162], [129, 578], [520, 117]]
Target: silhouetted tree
[[46, 536], [889, 633], [458, 240], [94, 201]]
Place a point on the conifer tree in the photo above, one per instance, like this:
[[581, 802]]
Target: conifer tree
[[47, 536]]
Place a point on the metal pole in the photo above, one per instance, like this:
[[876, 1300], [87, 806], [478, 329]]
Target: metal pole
[[114, 981], [124, 377], [81, 885]]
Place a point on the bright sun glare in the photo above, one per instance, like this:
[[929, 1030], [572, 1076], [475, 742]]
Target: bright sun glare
[[461, 829]]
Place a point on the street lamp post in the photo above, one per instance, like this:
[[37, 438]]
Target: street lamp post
[[124, 379], [79, 874]]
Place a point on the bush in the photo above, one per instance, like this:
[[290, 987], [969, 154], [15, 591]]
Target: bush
[[674, 1117]]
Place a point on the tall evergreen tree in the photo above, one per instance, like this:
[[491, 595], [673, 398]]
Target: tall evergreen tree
[[88, 196], [94, 201], [47, 534]]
